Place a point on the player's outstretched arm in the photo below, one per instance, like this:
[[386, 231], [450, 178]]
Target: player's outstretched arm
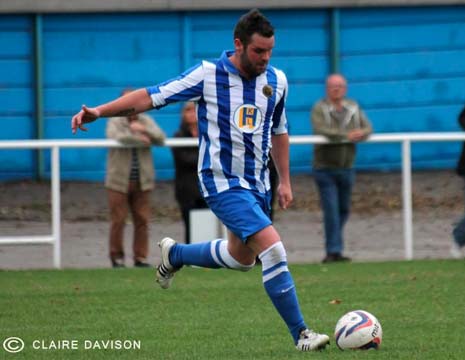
[[132, 103]]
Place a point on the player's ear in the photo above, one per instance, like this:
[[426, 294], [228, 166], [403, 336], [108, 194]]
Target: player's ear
[[238, 46]]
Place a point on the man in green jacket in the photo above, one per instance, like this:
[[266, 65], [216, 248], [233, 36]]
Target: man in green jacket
[[129, 182], [344, 123]]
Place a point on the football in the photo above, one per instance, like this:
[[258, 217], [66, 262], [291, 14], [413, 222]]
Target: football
[[358, 330]]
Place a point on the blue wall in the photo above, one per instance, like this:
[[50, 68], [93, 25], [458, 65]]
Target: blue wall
[[404, 65], [16, 94], [406, 68]]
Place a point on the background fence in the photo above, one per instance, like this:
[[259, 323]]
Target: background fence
[[55, 237]]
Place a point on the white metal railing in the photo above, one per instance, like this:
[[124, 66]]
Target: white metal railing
[[404, 139]]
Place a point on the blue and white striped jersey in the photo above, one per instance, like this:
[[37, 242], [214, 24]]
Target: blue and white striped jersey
[[236, 119]]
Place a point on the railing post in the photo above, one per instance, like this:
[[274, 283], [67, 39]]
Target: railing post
[[407, 198], [335, 33], [55, 193]]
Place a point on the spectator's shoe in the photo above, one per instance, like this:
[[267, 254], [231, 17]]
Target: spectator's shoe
[[141, 264], [456, 251], [340, 257], [117, 263], [165, 271], [310, 341], [335, 258]]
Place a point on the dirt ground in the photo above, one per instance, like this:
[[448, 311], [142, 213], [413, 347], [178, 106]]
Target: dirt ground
[[374, 231]]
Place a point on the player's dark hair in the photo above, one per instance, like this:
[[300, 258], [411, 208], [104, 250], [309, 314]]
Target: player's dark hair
[[250, 23]]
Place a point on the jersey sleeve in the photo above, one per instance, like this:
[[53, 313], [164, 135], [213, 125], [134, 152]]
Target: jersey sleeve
[[186, 87], [279, 116]]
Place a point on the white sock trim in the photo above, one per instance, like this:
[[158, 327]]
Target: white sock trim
[[274, 258], [226, 257], [213, 252], [266, 251]]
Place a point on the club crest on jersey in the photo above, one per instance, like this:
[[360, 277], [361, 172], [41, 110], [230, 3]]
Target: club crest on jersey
[[267, 91], [248, 118]]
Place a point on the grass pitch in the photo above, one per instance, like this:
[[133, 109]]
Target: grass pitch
[[221, 314]]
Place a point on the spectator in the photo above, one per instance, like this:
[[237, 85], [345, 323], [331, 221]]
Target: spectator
[[187, 190], [459, 229], [129, 182], [273, 186], [344, 123]]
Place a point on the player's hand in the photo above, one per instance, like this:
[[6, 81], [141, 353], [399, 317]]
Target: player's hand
[[86, 115], [284, 196]]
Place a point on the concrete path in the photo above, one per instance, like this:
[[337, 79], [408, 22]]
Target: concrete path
[[376, 237]]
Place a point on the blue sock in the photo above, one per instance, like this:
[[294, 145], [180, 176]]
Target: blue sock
[[206, 254], [279, 286]]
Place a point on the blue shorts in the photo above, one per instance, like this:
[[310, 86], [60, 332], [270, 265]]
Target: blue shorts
[[242, 211]]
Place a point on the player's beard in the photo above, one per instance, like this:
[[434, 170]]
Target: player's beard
[[249, 68]]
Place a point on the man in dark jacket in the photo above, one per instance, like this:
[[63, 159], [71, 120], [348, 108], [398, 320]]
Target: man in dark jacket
[[185, 158], [459, 230]]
